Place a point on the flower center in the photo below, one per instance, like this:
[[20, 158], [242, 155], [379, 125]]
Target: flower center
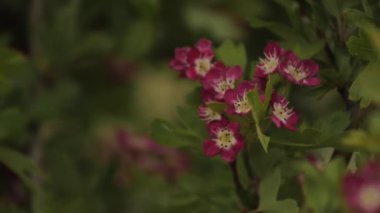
[[211, 115], [242, 104], [297, 73], [282, 112], [225, 139], [269, 63], [369, 198], [202, 66], [223, 85]]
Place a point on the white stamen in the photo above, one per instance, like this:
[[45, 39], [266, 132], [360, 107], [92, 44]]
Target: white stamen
[[269, 63], [242, 105], [282, 112], [225, 138], [202, 66]]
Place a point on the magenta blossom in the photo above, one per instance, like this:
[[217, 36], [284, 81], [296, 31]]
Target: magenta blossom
[[180, 62], [272, 58], [301, 72], [237, 100], [195, 62], [206, 113], [282, 114], [221, 78], [362, 189], [226, 140]]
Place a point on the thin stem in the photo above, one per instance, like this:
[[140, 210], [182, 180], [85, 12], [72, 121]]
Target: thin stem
[[247, 164], [235, 176]]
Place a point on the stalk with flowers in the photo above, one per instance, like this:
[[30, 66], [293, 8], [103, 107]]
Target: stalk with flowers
[[284, 152]]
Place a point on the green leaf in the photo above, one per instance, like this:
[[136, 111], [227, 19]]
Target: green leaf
[[165, 134], [359, 139], [272, 81], [268, 191], [232, 54], [19, 164], [321, 189], [257, 114], [361, 47], [331, 7], [217, 106], [308, 138], [357, 17], [366, 86], [281, 30], [332, 124]]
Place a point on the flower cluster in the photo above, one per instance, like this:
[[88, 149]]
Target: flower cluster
[[141, 152], [225, 84], [362, 189]]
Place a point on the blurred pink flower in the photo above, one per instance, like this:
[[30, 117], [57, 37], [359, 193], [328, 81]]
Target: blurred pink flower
[[225, 141], [270, 62], [282, 114], [301, 72], [362, 189], [221, 78], [144, 153], [194, 62], [237, 100], [206, 113]]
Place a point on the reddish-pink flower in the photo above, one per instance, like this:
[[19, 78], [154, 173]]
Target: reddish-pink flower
[[282, 114], [225, 141], [270, 62], [180, 62], [301, 72], [362, 189], [236, 99], [206, 113], [194, 62], [221, 78]]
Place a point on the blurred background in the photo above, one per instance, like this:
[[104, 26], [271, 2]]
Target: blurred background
[[81, 83]]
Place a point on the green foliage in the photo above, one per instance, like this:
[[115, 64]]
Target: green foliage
[[232, 54], [257, 114], [322, 188], [268, 191], [21, 165], [188, 131]]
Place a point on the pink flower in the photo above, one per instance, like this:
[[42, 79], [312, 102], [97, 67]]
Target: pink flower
[[226, 140], [362, 189], [221, 78], [282, 114], [193, 62], [180, 62], [237, 100], [301, 72], [206, 113], [272, 58]]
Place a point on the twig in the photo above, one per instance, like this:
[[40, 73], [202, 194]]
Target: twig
[[235, 176]]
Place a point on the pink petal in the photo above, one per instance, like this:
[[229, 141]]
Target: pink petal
[[234, 126], [273, 47], [230, 96], [181, 54], [204, 45], [239, 145], [228, 155], [191, 74], [312, 81], [276, 121], [311, 66], [234, 72], [210, 148]]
